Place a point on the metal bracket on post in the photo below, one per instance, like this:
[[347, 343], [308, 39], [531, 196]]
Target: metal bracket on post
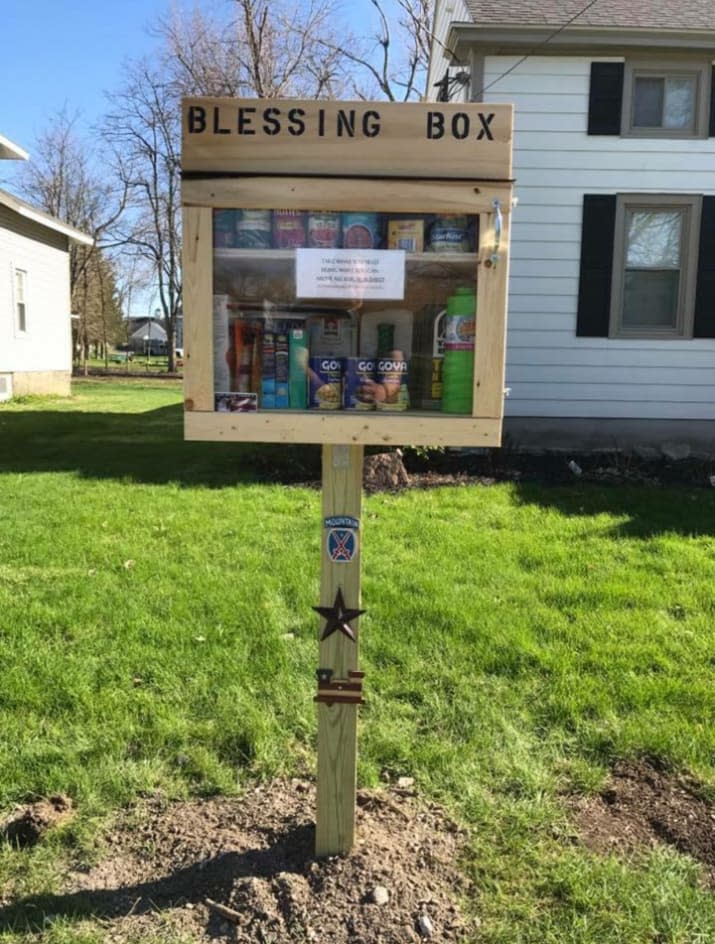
[[496, 203]]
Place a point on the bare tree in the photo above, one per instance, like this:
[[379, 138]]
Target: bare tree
[[143, 132], [264, 50], [63, 180], [392, 62]]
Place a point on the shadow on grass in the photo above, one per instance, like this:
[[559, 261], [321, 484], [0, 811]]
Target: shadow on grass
[[643, 511], [145, 447], [213, 877]]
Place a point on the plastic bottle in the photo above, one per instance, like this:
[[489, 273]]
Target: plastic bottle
[[458, 367]]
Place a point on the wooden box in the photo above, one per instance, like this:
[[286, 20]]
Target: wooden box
[[366, 165]]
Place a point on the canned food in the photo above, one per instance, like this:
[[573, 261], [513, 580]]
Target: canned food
[[253, 229], [359, 387], [288, 229], [326, 383], [406, 234], [324, 230], [225, 228], [391, 382], [361, 231], [449, 234]]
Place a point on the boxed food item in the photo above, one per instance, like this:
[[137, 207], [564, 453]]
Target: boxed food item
[[406, 234]]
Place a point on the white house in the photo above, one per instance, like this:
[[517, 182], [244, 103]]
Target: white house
[[611, 338], [35, 332]]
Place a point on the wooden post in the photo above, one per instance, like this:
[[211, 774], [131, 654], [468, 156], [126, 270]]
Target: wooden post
[[338, 658]]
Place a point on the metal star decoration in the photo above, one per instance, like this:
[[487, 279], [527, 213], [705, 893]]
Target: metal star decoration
[[338, 617]]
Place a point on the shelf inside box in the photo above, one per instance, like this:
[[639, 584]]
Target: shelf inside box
[[288, 255]]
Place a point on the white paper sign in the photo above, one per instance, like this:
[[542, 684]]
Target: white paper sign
[[350, 273]]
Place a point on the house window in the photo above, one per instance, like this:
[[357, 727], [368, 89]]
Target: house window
[[21, 301], [654, 266], [651, 99]]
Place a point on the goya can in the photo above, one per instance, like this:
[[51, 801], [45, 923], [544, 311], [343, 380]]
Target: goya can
[[253, 229], [391, 382], [361, 231], [359, 387], [326, 383], [324, 230], [289, 229]]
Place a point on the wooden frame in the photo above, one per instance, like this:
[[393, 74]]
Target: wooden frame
[[204, 190]]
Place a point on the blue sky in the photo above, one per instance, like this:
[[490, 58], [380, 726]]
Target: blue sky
[[65, 53]]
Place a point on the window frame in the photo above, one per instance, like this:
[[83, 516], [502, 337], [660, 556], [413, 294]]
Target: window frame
[[658, 69], [21, 328], [691, 204]]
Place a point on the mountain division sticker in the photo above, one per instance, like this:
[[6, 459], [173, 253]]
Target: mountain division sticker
[[342, 545]]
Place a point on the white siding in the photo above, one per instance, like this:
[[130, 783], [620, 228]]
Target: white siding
[[550, 371], [42, 254], [446, 12]]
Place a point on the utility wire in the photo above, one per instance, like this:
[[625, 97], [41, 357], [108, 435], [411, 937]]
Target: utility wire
[[536, 48]]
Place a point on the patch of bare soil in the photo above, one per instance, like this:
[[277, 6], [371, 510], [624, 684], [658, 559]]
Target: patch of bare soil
[[643, 805], [28, 825], [254, 856]]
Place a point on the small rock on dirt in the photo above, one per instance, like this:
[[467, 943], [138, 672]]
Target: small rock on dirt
[[379, 895], [425, 925]]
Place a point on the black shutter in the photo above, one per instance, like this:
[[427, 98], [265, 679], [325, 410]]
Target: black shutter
[[594, 289], [704, 326], [605, 100], [711, 127]]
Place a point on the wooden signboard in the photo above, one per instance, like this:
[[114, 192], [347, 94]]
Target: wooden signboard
[[347, 139], [345, 283]]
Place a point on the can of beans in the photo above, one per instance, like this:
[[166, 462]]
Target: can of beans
[[326, 383], [324, 230], [391, 382], [361, 231], [359, 385]]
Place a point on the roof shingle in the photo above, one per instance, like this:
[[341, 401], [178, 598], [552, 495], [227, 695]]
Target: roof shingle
[[633, 14]]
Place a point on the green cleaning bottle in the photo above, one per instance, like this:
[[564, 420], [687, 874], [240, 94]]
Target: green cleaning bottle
[[458, 368]]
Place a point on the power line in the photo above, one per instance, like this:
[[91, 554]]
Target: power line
[[536, 48]]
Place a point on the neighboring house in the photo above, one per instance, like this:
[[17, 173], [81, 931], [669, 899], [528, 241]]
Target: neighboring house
[[35, 333], [611, 338], [146, 336]]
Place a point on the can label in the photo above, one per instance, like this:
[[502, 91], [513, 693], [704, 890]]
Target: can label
[[449, 234], [406, 234], [361, 231], [391, 383], [359, 386], [324, 230], [459, 332], [253, 229], [225, 228], [326, 383], [288, 229]]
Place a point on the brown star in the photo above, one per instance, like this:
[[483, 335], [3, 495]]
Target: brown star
[[338, 617]]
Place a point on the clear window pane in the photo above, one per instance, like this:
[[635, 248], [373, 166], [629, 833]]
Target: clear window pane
[[650, 299], [653, 238], [679, 105], [648, 94]]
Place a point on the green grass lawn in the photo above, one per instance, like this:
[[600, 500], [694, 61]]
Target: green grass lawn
[[518, 640]]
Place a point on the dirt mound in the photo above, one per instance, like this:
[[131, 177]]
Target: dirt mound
[[643, 805], [29, 824], [254, 856]]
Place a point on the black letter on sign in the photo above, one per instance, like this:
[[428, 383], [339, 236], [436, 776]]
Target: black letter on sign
[[197, 119], [371, 129], [295, 116], [217, 126], [460, 125], [271, 124], [486, 131], [245, 119], [435, 125], [346, 121]]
